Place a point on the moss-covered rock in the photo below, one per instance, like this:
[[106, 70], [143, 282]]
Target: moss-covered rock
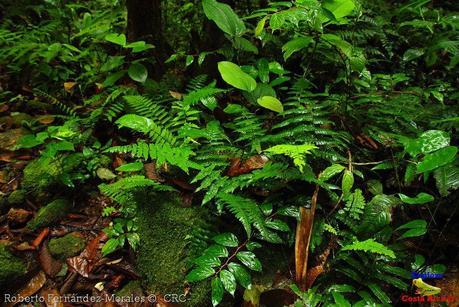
[[164, 254], [68, 246], [17, 197], [50, 214], [11, 267], [43, 173], [133, 287]]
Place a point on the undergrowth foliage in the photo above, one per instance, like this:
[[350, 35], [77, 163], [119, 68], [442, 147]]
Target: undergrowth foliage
[[350, 97]]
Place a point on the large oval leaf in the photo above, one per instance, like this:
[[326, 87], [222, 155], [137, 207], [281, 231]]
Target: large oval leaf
[[242, 276], [249, 260], [217, 291], [271, 103], [138, 72], [229, 281], [224, 16], [200, 273], [233, 75], [436, 159]]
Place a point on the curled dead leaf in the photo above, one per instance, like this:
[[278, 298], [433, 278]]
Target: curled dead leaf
[[239, 167], [68, 86], [32, 287]]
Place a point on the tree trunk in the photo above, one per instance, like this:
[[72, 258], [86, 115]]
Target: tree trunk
[[145, 23]]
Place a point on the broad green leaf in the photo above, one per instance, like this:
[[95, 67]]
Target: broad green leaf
[[245, 45], [433, 140], [437, 159], [200, 273], [138, 72], [375, 187], [253, 245], [217, 291], [278, 225], [226, 239], [263, 70], [119, 39], [421, 198], [340, 300], [216, 251], [379, 293], [260, 26], [189, 60], [110, 246], [414, 232], [415, 228], [276, 21], [331, 171], [347, 183], [447, 179], [207, 261], [224, 17], [249, 260], [339, 8], [413, 224], [130, 167], [296, 45], [233, 75], [242, 276], [105, 173], [228, 281], [412, 54], [113, 78], [271, 103], [339, 43]]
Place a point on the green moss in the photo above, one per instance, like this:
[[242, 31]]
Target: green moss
[[11, 267], [44, 172], [68, 246], [163, 227], [133, 287], [17, 197], [49, 214]]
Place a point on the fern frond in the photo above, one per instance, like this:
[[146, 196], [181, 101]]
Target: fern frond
[[177, 156], [142, 124], [54, 101], [370, 246]]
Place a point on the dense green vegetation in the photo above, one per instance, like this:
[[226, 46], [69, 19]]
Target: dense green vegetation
[[296, 153]]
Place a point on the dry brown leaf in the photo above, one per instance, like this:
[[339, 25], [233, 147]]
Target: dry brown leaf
[[68, 86], [46, 119], [43, 234], [52, 297], [18, 216], [85, 262], [152, 172], [176, 95], [32, 287], [239, 167], [50, 265]]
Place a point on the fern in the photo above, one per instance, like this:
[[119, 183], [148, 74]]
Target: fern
[[54, 101], [296, 152], [123, 190], [370, 246], [149, 108], [249, 214], [178, 156], [156, 133]]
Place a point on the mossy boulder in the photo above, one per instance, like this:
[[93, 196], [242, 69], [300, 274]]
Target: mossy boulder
[[50, 214], [11, 267], [67, 246], [17, 197], [164, 253], [43, 173]]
